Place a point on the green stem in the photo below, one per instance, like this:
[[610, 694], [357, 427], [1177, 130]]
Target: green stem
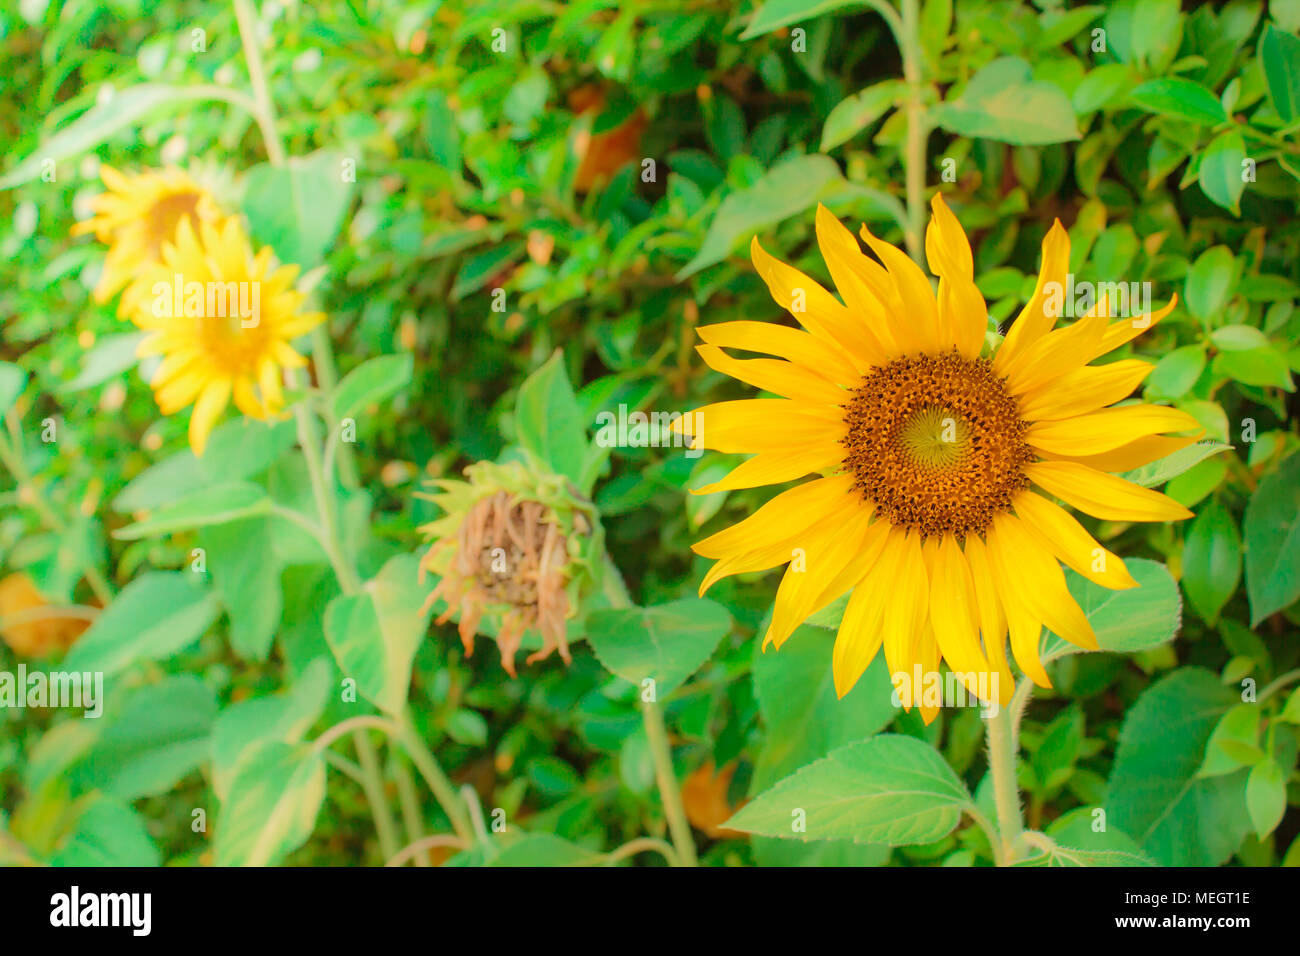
[[264, 111], [642, 845], [669, 792], [410, 803], [444, 791], [322, 488], [1006, 795], [373, 784], [917, 130]]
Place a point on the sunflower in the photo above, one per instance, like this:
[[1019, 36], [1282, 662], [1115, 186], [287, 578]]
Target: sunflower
[[136, 216], [938, 459], [222, 319], [517, 547]]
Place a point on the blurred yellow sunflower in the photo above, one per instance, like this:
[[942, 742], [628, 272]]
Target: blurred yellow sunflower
[[136, 215], [930, 453], [222, 319]]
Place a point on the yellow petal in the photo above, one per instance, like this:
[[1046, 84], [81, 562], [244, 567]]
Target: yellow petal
[[211, 403], [776, 467], [1053, 355], [1025, 626], [963, 314], [761, 424], [857, 278], [1084, 390], [835, 555], [817, 310], [1135, 454], [808, 351], [916, 328], [773, 375], [1042, 310], [954, 615], [1126, 330], [1106, 429], [993, 623], [1102, 495], [908, 605], [1066, 538], [786, 515]]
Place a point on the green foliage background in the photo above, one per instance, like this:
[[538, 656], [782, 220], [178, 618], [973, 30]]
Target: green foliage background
[[465, 165]]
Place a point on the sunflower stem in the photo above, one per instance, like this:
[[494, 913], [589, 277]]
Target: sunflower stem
[[909, 40], [373, 784], [264, 110], [669, 792], [1001, 735]]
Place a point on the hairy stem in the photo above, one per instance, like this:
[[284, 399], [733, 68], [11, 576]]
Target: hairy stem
[[1006, 795]]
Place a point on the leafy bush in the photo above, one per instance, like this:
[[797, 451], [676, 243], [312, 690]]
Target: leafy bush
[[513, 217]]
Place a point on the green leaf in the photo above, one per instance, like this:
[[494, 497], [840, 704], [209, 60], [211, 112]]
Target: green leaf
[[374, 634], [1221, 173], [1238, 338], [1003, 102], [1127, 621], [544, 849], [284, 717], [665, 643], [1266, 796], [236, 450], [1171, 466], [272, 805], [12, 382], [805, 720], [1210, 281], [1154, 794], [249, 590], [1211, 560], [1265, 367], [370, 383], [296, 208], [111, 355], [154, 617], [855, 113], [153, 739], [107, 833], [1079, 844], [1176, 373], [212, 506], [889, 789], [1272, 537], [549, 422], [789, 188], [1182, 99], [779, 13], [1279, 53], [1234, 743], [101, 121]]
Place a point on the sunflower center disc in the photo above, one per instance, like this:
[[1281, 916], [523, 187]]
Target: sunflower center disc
[[936, 442]]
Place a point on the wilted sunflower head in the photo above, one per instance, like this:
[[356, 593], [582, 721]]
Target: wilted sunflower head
[[136, 215], [939, 462], [222, 319], [517, 546]]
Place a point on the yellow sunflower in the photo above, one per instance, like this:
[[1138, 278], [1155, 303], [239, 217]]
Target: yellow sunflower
[[929, 453], [222, 319], [136, 216]]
